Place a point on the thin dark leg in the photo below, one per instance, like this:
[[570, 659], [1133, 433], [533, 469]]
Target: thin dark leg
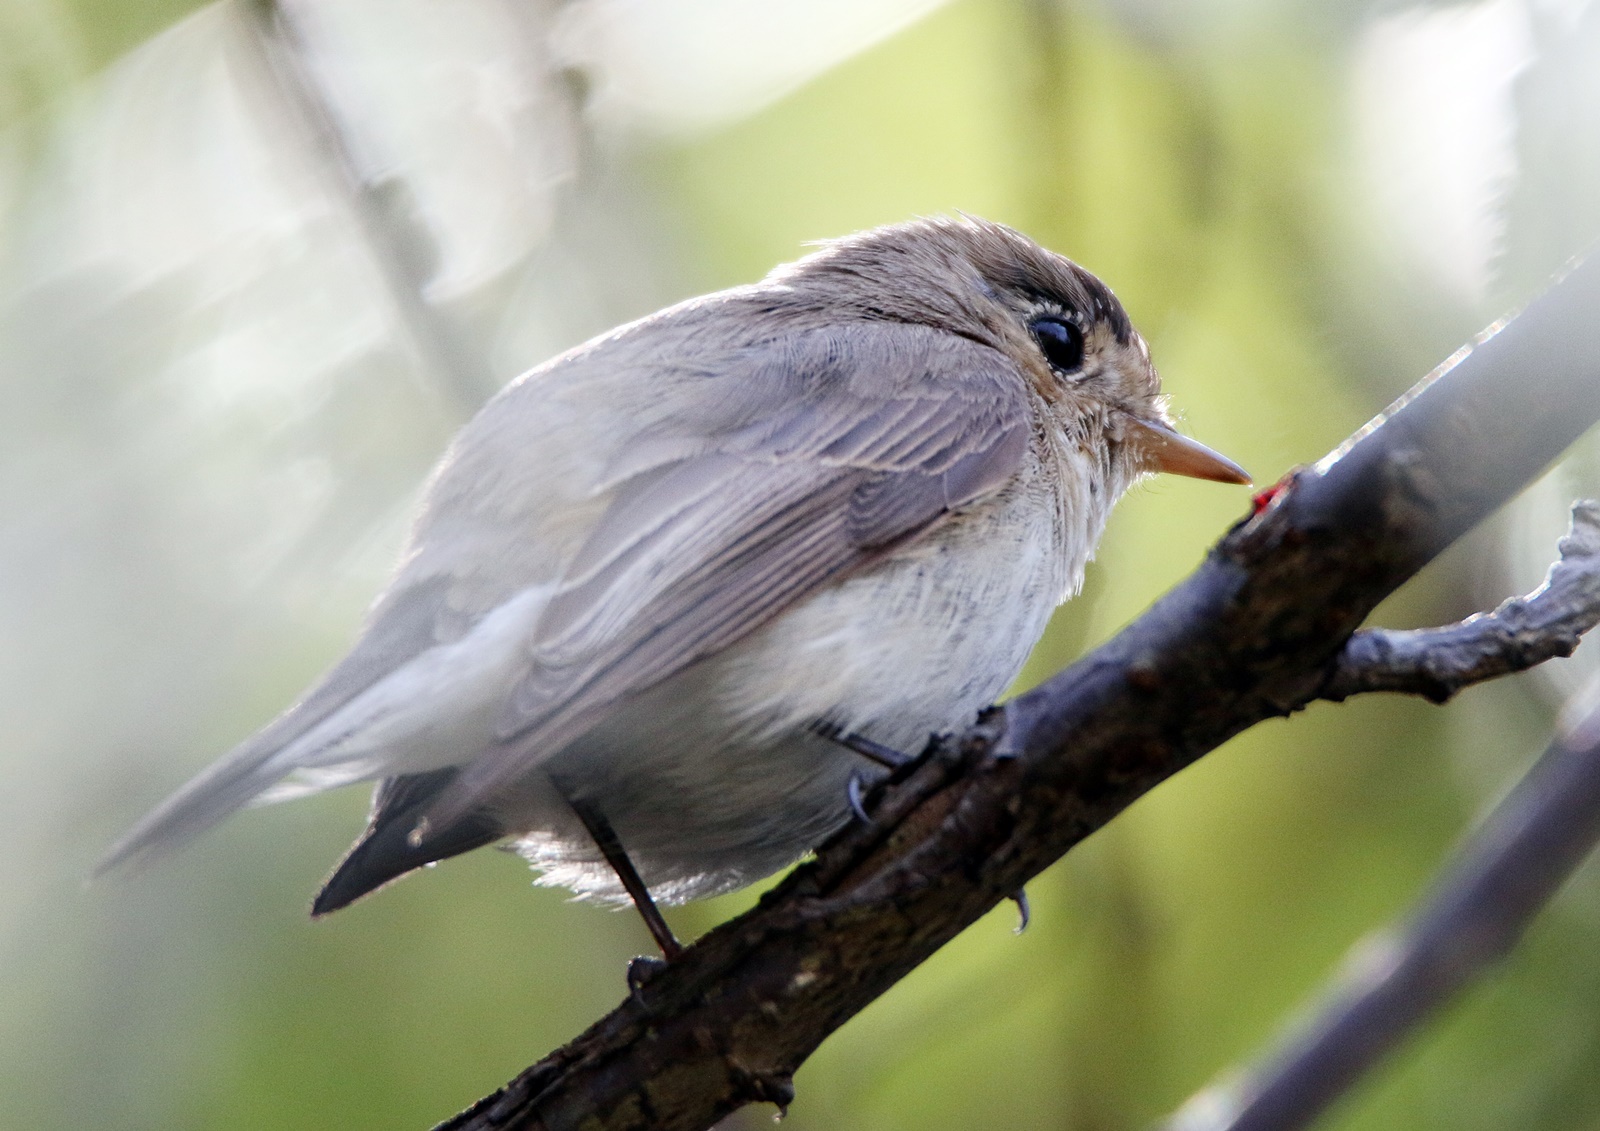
[[886, 756], [605, 838]]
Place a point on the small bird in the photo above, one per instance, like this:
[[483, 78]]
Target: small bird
[[675, 594]]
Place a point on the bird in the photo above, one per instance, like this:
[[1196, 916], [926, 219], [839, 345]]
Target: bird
[[673, 596]]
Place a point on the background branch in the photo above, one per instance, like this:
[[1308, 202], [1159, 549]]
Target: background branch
[[1396, 981], [1249, 635], [398, 241]]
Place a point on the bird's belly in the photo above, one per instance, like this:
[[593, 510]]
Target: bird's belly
[[918, 644], [716, 778]]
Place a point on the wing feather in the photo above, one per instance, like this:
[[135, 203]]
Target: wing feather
[[693, 555], [403, 626]]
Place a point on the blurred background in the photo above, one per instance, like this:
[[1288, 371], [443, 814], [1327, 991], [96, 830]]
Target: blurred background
[[259, 260]]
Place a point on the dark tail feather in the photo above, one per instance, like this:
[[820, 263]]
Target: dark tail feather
[[385, 851]]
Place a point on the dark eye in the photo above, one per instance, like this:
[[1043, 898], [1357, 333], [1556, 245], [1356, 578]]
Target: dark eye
[[1061, 341]]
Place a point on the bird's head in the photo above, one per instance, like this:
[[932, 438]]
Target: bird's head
[[1060, 326]]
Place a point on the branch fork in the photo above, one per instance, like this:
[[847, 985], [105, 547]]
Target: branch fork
[[1522, 633]]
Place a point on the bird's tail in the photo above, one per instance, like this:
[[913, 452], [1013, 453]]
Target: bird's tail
[[388, 849], [230, 783]]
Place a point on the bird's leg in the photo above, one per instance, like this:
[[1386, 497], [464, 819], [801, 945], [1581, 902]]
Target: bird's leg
[[892, 759], [605, 838], [886, 756]]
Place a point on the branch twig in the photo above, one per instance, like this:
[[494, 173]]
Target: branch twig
[[1395, 981], [1249, 635], [1524, 632], [401, 247]]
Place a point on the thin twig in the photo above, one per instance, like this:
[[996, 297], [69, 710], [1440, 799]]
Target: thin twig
[[397, 239], [1524, 632], [1396, 981]]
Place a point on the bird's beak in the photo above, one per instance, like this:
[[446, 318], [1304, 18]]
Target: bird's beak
[[1165, 450]]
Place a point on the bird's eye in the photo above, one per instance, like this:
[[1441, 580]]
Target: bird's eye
[[1061, 342]]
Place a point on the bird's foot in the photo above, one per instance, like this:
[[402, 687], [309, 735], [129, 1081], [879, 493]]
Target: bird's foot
[[641, 972]]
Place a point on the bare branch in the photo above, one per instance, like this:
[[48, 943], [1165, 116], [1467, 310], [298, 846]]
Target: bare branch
[[1396, 981], [1524, 632], [1249, 635], [402, 248]]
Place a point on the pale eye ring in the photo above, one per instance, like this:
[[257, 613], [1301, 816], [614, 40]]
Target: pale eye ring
[[1060, 341]]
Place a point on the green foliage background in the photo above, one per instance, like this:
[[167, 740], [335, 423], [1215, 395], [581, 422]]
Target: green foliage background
[[1201, 166]]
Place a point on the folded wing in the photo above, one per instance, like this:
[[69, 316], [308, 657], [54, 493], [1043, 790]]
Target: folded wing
[[875, 437], [760, 475]]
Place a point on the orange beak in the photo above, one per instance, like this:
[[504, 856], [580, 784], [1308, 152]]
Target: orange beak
[[1165, 450]]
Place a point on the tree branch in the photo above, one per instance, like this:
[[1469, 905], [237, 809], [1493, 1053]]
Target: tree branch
[[401, 247], [1395, 981], [1250, 635], [1524, 632]]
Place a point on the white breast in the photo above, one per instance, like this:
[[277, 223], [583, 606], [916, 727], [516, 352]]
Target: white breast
[[926, 639]]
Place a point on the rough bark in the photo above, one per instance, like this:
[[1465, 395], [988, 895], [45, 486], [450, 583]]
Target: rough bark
[[1257, 631], [1524, 632]]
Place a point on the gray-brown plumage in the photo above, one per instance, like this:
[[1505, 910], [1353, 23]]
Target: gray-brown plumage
[[648, 571]]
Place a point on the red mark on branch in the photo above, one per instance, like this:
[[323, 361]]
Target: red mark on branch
[[1261, 500]]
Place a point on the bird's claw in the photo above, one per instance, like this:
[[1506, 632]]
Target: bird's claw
[[852, 792], [1024, 912]]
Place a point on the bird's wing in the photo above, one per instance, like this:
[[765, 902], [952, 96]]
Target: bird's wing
[[852, 446]]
